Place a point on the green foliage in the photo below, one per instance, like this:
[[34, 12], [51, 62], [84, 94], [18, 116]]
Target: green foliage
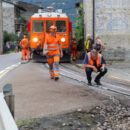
[[79, 31], [26, 122], [6, 36], [10, 37], [22, 17], [24, 28]]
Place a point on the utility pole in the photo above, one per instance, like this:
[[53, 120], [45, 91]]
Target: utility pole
[[1, 29], [94, 21]]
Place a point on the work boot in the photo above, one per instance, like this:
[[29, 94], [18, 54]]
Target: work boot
[[74, 59], [89, 83], [97, 82], [23, 62], [52, 77], [27, 61], [56, 78]]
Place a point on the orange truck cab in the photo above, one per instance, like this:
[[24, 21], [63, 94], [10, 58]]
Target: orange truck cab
[[39, 28]]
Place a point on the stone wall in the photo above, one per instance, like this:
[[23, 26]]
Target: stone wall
[[112, 24], [114, 54], [8, 17]]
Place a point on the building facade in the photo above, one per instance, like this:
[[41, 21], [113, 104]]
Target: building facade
[[112, 24], [30, 9], [15, 13], [12, 21], [8, 17]]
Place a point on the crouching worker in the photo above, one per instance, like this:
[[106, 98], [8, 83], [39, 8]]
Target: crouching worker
[[25, 49], [54, 52], [94, 62]]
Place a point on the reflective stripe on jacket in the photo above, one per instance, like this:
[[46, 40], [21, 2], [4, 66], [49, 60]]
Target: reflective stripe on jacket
[[98, 61], [53, 46], [52, 43]]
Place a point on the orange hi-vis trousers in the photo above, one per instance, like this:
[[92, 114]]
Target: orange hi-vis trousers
[[53, 62], [25, 54], [74, 52]]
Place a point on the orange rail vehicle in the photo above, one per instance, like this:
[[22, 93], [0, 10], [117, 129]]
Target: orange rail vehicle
[[39, 27]]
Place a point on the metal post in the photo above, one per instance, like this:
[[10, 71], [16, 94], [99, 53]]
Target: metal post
[[9, 97], [1, 29], [94, 21]]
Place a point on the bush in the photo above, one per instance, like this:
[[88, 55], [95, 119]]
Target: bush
[[9, 37]]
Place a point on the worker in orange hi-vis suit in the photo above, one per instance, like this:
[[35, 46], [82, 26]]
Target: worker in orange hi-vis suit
[[74, 47], [53, 45], [25, 49]]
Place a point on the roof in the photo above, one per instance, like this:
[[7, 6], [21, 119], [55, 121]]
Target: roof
[[17, 6], [8, 2], [49, 15], [27, 6], [50, 12]]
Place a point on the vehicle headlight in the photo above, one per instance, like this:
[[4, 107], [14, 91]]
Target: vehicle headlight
[[63, 39], [35, 39]]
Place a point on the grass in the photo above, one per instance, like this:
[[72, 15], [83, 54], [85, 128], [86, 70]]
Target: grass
[[9, 52], [26, 122]]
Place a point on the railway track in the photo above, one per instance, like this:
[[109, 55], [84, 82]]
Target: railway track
[[109, 84]]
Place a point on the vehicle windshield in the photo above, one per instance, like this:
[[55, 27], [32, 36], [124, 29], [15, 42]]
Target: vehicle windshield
[[38, 26], [61, 26], [48, 24]]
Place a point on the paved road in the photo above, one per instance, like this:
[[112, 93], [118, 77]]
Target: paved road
[[121, 70], [36, 95], [9, 59]]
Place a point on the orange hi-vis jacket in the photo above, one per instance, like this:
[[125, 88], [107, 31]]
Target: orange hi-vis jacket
[[24, 43], [98, 61], [53, 45]]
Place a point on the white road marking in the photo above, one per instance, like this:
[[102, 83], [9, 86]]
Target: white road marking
[[8, 69]]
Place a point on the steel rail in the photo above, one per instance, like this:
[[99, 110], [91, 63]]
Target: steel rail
[[69, 73]]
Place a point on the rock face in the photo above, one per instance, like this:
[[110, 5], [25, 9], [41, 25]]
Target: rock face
[[111, 116]]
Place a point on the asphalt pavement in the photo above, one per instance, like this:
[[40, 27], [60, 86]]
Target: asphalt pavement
[[7, 60], [36, 95]]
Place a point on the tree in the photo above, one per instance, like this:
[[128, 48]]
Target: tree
[[25, 21], [79, 31]]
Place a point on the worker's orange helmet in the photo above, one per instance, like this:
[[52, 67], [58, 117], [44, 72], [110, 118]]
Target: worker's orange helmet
[[53, 28]]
